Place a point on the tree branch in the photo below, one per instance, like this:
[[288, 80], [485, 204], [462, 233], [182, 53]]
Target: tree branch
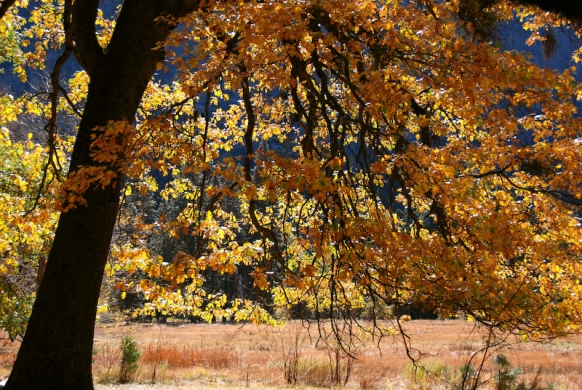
[[87, 50]]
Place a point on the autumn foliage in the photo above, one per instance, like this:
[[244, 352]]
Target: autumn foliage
[[26, 229], [381, 151]]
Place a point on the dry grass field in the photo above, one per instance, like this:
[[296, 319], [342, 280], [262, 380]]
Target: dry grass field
[[201, 356]]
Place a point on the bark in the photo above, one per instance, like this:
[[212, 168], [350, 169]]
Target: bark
[[87, 50], [56, 352]]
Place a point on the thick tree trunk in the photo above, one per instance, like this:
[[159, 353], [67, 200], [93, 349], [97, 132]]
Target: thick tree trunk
[[57, 349]]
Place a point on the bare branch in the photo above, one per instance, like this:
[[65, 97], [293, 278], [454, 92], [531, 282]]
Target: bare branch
[[51, 126], [71, 104]]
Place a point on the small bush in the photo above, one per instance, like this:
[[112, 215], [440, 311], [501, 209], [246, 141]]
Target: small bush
[[129, 359], [340, 364], [377, 309], [468, 378], [427, 373], [505, 375], [314, 372], [106, 362], [288, 345]]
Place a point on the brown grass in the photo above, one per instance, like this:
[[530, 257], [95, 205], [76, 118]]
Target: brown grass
[[183, 356], [235, 356]]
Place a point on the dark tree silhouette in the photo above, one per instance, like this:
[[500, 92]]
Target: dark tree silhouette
[[56, 352], [568, 8]]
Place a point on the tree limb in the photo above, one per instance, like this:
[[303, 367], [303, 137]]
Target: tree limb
[[87, 50]]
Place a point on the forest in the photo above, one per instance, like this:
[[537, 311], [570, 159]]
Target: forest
[[271, 159]]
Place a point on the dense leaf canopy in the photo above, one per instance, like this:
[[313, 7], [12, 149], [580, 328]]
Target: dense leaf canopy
[[381, 151]]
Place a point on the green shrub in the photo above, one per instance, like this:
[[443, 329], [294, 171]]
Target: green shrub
[[468, 378], [129, 359], [505, 375], [427, 373]]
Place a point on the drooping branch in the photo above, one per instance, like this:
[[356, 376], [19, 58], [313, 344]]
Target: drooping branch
[[265, 232], [51, 126]]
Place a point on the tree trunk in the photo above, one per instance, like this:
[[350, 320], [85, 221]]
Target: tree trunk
[[56, 352]]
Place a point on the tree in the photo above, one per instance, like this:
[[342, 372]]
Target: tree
[[412, 162], [56, 351]]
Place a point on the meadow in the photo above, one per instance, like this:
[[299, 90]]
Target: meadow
[[198, 356]]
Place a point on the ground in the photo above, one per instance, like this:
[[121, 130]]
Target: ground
[[234, 356]]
